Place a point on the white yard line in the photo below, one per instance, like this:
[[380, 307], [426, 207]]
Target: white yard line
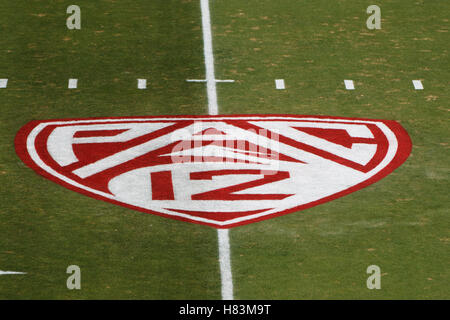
[[225, 264], [213, 109]]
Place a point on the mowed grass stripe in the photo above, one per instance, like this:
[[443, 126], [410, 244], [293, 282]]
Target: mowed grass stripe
[[397, 223], [122, 254]]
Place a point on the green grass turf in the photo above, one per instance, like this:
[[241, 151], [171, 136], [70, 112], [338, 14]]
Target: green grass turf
[[45, 228], [400, 223]]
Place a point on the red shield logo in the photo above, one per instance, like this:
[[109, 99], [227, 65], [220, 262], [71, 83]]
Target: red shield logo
[[222, 171]]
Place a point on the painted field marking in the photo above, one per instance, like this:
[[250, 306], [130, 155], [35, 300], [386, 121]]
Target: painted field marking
[[204, 80], [73, 83], [3, 273], [213, 109], [225, 264], [3, 83], [349, 85], [142, 84], [196, 80], [417, 84], [279, 84]]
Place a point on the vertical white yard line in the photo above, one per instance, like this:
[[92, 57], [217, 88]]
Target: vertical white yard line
[[225, 264], [213, 109]]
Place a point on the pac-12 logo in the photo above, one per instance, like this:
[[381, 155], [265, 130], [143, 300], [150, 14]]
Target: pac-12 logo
[[222, 171]]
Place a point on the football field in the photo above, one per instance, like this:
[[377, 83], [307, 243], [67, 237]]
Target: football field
[[223, 57]]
